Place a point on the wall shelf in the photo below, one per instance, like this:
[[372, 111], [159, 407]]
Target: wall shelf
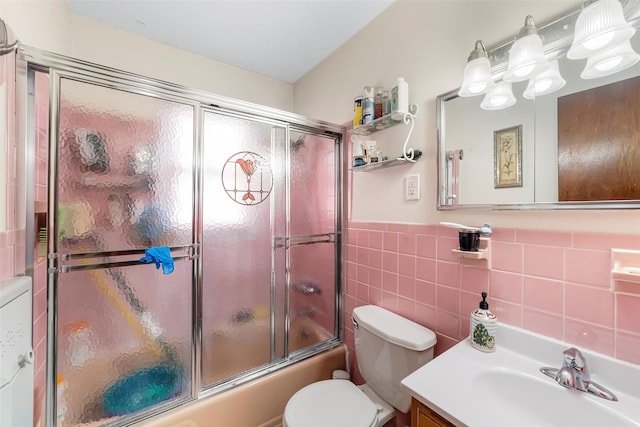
[[382, 123], [625, 271], [481, 258], [480, 254], [382, 165]]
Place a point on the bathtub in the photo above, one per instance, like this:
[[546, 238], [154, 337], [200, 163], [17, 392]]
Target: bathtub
[[241, 347], [259, 403], [266, 396]]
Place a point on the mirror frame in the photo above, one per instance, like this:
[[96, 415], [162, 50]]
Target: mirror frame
[[557, 37]]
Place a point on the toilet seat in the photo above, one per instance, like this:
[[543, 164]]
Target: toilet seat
[[330, 403]]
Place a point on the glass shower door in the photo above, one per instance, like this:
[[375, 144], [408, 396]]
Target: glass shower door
[[243, 205], [123, 183], [313, 243]]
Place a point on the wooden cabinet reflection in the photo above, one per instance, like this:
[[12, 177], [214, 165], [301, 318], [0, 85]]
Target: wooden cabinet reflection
[[599, 143]]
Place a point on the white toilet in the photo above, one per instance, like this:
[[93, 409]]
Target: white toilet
[[388, 348]]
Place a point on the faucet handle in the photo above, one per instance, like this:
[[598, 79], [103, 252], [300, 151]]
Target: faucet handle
[[574, 359]]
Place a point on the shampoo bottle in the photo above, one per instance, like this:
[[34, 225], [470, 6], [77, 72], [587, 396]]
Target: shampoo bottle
[[400, 99], [483, 329]]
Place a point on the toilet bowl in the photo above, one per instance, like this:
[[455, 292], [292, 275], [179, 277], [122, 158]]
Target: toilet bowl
[[348, 406], [388, 348]]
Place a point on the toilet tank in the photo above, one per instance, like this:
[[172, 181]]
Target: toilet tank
[[388, 348]]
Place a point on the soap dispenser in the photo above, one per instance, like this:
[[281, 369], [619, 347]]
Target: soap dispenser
[[482, 332]]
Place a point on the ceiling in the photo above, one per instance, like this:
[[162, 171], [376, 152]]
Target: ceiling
[[282, 39]]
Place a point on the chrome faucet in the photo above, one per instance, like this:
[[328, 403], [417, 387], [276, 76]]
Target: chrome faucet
[[307, 288], [575, 374]]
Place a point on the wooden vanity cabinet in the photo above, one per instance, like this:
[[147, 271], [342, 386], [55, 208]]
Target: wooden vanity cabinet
[[423, 416]]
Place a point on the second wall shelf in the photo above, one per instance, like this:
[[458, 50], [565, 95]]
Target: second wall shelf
[[382, 165], [382, 123], [479, 258]]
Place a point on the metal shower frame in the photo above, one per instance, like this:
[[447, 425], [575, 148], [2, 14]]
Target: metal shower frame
[[31, 60]]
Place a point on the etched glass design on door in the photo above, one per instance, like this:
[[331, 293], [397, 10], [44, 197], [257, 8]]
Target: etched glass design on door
[[242, 178]]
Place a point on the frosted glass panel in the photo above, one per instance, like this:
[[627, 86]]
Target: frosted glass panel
[[313, 184], [125, 169], [125, 181], [239, 173], [312, 307], [313, 221], [109, 349]]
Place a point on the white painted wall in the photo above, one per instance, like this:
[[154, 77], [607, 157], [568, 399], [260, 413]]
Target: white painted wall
[[427, 43], [48, 25], [424, 41]]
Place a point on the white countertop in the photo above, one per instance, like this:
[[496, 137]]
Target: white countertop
[[506, 388]]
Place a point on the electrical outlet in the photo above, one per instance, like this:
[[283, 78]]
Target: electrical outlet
[[412, 187]]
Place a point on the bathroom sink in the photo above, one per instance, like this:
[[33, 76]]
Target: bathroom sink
[[506, 387], [514, 393]]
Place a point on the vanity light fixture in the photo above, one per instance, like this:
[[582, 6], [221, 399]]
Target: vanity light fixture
[[610, 61], [600, 26], [526, 57], [498, 98], [477, 73], [545, 82]]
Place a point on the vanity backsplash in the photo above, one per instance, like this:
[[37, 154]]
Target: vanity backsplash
[[557, 284]]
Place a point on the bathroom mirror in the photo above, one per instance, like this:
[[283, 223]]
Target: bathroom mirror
[[541, 137]]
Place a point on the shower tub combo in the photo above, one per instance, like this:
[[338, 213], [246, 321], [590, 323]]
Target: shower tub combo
[[246, 202]]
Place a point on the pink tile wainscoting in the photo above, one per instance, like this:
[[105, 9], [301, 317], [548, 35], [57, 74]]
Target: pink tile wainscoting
[[553, 283]]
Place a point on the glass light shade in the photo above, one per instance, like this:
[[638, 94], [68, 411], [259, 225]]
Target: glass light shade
[[526, 58], [501, 96], [599, 27], [477, 78], [545, 82], [610, 61]]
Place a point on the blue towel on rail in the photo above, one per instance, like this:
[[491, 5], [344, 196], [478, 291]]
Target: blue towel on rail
[[161, 255]]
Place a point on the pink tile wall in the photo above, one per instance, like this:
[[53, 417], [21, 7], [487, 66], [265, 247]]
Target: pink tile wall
[[553, 283]]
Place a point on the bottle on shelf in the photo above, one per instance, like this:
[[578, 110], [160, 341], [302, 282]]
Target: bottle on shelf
[[368, 105], [386, 108], [378, 106], [357, 111], [400, 99]]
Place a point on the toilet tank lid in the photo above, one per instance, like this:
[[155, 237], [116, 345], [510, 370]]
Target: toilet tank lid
[[394, 328]]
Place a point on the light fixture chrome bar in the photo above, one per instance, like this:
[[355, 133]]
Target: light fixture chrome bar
[[556, 35]]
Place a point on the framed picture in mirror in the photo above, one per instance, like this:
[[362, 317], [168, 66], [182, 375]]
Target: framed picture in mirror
[[507, 157]]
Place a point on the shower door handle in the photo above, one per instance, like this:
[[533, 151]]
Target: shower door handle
[[68, 262], [299, 240]]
